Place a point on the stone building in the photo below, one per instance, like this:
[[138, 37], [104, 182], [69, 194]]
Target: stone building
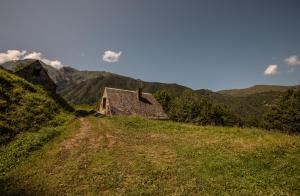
[[124, 102]]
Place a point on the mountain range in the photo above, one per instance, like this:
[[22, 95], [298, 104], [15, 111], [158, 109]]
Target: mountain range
[[85, 87]]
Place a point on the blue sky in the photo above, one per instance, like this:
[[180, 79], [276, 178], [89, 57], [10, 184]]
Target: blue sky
[[212, 44]]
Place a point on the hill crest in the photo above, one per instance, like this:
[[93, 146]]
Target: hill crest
[[261, 88]]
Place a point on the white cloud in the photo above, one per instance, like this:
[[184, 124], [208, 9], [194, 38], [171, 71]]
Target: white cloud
[[37, 55], [13, 55], [34, 55], [271, 70], [111, 56], [56, 64], [292, 60]]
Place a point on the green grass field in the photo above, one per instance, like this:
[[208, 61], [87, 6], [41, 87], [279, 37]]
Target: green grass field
[[134, 156]]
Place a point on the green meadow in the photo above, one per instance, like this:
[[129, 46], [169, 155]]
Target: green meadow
[[134, 156]]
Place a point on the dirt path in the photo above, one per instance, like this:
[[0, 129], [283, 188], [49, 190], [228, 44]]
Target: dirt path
[[85, 136], [69, 162], [111, 139], [85, 142]]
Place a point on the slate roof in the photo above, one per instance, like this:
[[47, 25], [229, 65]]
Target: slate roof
[[125, 102]]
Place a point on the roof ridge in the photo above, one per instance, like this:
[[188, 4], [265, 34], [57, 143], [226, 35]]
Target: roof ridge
[[125, 90]]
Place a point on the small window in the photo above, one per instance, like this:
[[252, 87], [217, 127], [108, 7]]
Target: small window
[[104, 103], [36, 72]]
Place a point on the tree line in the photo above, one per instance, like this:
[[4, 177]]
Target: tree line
[[282, 114]]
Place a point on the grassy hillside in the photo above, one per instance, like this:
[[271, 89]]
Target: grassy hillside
[[255, 89], [134, 156], [24, 106]]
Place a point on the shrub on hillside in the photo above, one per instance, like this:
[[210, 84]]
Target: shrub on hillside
[[190, 107], [164, 99], [284, 113]]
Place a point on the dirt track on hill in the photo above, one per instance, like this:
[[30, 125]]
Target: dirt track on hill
[[85, 142], [85, 135], [68, 161]]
